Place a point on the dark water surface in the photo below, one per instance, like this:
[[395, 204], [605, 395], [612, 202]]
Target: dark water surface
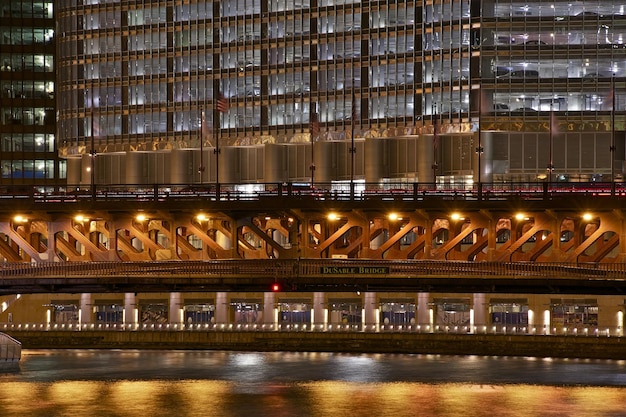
[[208, 383]]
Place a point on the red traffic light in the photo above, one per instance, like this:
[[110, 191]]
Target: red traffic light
[[275, 287]]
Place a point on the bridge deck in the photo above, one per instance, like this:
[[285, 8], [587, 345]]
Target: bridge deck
[[313, 275]]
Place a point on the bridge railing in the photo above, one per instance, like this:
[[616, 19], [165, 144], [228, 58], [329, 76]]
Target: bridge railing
[[279, 268], [409, 191]]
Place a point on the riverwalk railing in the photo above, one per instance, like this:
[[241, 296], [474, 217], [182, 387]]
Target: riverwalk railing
[[485, 329], [10, 349]]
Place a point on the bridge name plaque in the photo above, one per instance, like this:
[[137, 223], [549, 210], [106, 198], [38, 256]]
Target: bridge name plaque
[[354, 270]]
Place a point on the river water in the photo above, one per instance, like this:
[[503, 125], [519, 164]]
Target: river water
[[133, 383]]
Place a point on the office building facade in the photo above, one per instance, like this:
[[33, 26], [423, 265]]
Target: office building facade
[[427, 91], [507, 90], [28, 153]]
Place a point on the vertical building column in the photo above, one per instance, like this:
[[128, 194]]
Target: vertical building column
[[270, 311], [611, 316], [50, 254], [425, 159], [375, 159], [320, 315], [480, 313], [86, 309], [372, 318], [424, 317], [131, 315], [175, 310], [113, 239], [221, 308]]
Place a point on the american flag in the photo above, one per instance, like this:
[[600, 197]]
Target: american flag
[[315, 125], [222, 104]]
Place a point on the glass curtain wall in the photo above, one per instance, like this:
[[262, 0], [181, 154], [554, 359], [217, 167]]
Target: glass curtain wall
[[544, 84], [28, 152]]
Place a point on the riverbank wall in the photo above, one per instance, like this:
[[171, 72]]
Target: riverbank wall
[[408, 343]]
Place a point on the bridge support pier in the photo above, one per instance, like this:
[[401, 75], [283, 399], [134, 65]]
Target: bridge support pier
[[221, 308], [86, 308], [320, 321], [130, 309], [175, 310], [270, 311], [424, 319], [479, 309], [371, 319]]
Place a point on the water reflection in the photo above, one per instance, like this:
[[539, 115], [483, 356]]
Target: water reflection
[[141, 383]]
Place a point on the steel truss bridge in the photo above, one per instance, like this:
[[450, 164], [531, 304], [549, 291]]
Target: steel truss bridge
[[566, 237]]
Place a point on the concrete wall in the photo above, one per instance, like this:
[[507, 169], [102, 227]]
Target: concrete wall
[[448, 344]]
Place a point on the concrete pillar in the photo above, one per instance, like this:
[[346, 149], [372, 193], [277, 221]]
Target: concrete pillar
[[424, 317], [375, 159], [426, 159], [319, 317], [480, 313], [86, 308], [270, 311], [323, 159], [371, 319], [275, 163], [131, 314], [112, 254], [50, 255], [611, 315], [176, 308], [539, 315], [221, 308]]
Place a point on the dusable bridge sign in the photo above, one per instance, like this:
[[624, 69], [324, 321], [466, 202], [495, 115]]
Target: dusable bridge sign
[[354, 270]]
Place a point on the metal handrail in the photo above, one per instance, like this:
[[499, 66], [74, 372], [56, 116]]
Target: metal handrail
[[485, 329], [10, 349], [408, 191]]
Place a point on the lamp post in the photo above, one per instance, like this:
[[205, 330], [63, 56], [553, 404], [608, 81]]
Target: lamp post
[[479, 148], [551, 136], [353, 118], [92, 161], [201, 167], [612, 148], [435, 166], [217, 162]]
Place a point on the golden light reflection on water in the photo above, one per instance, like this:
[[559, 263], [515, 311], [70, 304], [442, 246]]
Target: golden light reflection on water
[[324, 398]]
